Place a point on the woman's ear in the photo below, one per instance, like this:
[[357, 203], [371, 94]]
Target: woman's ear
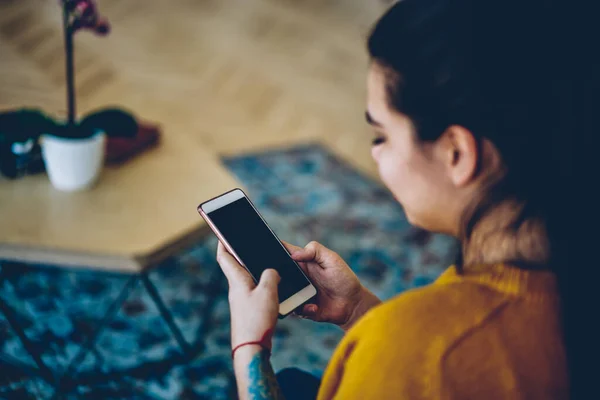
[[462, 155]]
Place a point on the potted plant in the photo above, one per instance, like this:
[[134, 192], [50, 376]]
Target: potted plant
[[73, 151]]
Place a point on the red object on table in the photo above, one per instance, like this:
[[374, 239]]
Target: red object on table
[[119, 150]]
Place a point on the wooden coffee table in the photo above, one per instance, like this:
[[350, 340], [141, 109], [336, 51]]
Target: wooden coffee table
[[135, 216]]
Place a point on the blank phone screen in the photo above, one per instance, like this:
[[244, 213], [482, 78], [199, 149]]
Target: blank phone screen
[[256, 246]]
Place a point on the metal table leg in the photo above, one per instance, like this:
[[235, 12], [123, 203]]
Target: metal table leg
[[165, 313], [12, 319], [44, 371], [64, 383], [91, 341]]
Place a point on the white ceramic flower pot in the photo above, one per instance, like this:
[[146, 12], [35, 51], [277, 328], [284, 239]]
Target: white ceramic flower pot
[[73, 164]]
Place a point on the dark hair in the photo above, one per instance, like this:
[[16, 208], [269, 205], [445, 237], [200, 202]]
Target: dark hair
[[498, 69]]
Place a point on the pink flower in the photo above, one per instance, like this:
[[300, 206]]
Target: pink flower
[[83, 14], [102, 26]]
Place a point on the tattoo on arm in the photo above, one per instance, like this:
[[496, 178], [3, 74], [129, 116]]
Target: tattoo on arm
[[262, 383]]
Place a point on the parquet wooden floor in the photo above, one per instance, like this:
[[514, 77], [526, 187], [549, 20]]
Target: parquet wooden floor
[[235, 75]]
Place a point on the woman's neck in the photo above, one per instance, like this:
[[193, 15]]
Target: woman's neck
[[502, 235]]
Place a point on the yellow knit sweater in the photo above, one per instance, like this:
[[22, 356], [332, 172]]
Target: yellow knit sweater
[[491, 333]]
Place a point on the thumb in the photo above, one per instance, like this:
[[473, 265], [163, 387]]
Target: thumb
[[315, 252], [269, 280]]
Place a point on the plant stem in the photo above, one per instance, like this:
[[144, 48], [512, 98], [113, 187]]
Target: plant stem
[[69, 67]]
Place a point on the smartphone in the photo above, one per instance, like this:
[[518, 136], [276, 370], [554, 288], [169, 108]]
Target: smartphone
[[246, 235]]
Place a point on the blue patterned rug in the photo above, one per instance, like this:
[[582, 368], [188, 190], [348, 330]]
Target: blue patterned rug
[[305, 193]]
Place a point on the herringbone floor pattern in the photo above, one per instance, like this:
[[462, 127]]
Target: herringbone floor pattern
[[236, 75]]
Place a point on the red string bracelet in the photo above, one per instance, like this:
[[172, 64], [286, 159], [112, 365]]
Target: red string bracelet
[[264, 342]]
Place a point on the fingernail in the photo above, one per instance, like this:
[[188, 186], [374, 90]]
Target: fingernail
[[311, 309]]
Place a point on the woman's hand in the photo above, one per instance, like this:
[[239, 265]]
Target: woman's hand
[[341, 298], [254, 308]]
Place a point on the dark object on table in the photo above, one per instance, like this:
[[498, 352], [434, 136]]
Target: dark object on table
[[20, 159], [120, 149], [19, 133]]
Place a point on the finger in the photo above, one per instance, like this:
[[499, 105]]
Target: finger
[[313, 251], [290, 247], [303, 254], [305, 309], [304, 268], [294, 252], [308, 311], [236, 274], [269, 281]]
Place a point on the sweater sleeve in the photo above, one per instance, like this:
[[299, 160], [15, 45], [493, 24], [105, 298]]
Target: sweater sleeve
[[386, 355]]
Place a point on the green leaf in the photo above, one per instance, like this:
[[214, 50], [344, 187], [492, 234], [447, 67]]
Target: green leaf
[[18, 126], [115, 122]]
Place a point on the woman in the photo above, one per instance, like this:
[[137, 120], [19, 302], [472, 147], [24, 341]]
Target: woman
[[459, 97]]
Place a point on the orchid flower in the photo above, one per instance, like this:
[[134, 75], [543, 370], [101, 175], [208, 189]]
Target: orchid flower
[[83, 14]]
